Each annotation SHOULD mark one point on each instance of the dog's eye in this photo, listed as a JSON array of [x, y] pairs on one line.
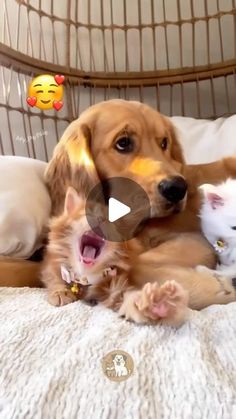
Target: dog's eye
[[164, 143], [124, 145], [233, 228]]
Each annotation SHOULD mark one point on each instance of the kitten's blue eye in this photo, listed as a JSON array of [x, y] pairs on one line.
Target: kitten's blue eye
[[233, 228]]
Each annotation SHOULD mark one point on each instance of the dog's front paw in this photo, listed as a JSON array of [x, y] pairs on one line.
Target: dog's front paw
[[61, 297], [167, 302]]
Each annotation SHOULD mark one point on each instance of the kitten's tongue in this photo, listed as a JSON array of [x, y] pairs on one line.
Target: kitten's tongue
[[90, 247], [89, 252]]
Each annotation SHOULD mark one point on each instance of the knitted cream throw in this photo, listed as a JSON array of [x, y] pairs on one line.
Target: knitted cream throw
[[50, 363]]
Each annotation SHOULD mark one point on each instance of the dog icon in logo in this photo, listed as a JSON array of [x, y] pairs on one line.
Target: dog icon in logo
[[117, 365]]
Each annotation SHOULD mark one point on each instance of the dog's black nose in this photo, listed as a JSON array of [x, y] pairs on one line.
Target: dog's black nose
[[173, 188]]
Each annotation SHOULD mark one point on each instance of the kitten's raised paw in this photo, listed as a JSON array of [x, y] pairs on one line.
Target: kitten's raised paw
[[167, 302], [110, 272], [60, 298]]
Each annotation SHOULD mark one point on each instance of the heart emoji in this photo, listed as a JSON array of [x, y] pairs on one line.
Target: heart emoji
[[31, 101], [57, 104], [59, 78]]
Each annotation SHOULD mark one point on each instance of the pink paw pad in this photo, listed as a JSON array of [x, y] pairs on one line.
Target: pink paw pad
[[160, 309]]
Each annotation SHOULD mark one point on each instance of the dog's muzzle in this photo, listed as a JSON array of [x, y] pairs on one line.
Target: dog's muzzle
[[173, 189]]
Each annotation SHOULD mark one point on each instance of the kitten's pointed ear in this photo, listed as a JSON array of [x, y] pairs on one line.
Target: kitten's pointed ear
[[72, 201], [212, 195]]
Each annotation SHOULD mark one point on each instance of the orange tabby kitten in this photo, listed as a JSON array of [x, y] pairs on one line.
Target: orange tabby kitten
[[79, 264]]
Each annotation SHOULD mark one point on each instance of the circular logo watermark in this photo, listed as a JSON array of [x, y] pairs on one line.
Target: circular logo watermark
[[117, 365]]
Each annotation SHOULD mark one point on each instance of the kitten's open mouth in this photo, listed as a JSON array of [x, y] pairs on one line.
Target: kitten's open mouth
[[90, 247]]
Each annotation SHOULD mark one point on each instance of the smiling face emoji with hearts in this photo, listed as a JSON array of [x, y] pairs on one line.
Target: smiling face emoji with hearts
[[46, 92]]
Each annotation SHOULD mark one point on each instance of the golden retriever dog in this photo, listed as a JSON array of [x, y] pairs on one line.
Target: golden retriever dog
[[129, 139]]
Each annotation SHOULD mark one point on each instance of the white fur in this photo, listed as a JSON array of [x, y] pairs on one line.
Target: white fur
[[218, 216]]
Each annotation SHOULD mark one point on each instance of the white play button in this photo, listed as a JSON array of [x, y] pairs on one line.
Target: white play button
[[116, 209]]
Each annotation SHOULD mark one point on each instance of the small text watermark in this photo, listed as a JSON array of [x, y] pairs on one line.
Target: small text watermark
[[30, 138]]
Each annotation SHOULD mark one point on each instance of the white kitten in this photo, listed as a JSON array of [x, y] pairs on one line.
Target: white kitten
[[218, 223]]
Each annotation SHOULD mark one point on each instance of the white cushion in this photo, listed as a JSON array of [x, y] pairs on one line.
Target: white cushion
[[205, 141], [24, 206]]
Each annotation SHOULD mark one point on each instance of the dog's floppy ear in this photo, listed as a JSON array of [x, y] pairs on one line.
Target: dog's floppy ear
[[176, 149], [71, 165]]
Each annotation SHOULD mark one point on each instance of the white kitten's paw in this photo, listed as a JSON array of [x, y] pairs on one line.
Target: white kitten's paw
[[220, 267], [204, 269]]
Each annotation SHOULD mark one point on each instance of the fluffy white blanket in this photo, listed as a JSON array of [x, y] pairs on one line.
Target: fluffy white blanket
[[51, 363]]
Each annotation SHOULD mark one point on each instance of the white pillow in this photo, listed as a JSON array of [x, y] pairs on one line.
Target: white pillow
[[25, 206], [204, 141]]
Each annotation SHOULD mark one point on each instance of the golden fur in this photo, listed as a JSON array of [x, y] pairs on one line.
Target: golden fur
[[19, 273], [171, 239]]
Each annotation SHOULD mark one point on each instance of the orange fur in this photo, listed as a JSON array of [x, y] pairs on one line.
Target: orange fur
[[64, 238]]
